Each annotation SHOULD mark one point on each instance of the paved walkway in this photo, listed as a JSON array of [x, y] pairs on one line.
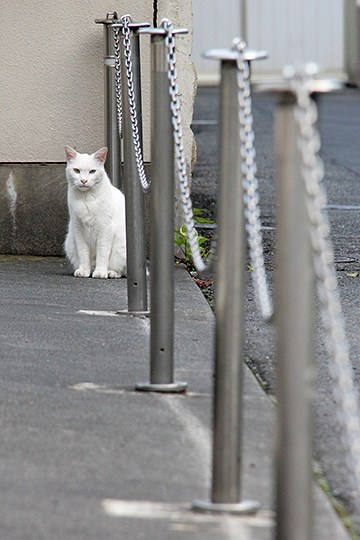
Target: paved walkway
[[83, 455]]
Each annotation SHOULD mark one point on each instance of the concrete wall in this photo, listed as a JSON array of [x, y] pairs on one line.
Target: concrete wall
[[52, 76], [180, 12], [52, 94], [33, 209]]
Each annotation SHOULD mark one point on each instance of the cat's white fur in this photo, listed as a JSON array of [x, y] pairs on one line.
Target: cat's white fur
[[96, 240]]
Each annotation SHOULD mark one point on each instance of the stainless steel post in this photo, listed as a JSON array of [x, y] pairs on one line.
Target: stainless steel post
[[134, 197], [295, 333], [352, 40], [162, 226], [294, 318], [231, 271], [113, 142], [243, 19]]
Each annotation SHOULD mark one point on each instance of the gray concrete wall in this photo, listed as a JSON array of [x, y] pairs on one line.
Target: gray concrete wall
[[33, 210]]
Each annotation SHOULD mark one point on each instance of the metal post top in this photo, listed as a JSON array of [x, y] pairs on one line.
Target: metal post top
[[131, 25], [162, 31], [309, 74], [110, 18], [232, 55], [113, 20], [315, 86]]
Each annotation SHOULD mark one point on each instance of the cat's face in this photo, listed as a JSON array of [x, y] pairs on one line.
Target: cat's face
[[84, 171]]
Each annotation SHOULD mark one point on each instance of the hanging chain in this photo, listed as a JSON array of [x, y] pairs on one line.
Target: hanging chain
[[118, 83], [145, 184], [192, 236], [333, 319], [126, 31], [250, 185]]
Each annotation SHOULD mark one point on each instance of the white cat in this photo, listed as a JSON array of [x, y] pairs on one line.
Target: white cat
[[96, 240]]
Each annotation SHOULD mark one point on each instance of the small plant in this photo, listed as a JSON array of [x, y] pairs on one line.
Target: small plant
[[181, 240], [200, 219]]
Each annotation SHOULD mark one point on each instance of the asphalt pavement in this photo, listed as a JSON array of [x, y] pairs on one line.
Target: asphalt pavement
[[86, 456]]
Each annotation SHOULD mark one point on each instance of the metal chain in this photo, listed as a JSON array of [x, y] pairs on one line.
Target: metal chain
[[200, 264], [145, 184], [333, 319], [118, 83], [250, 185]]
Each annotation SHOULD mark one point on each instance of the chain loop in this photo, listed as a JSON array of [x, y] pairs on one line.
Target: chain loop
[[250, 185], [185, 194], [126, 19], [118, 81], [333, 319], [145, 184]]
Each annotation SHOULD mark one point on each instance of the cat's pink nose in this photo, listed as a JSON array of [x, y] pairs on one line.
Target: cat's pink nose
[[83, 182]]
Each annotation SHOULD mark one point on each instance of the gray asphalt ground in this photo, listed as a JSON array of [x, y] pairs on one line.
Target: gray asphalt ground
[[85, 456]]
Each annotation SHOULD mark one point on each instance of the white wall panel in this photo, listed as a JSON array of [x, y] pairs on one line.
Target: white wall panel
[[290, 30], [216, 23]]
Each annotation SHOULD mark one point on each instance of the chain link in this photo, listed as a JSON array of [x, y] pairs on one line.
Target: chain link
[[250, 185], [145, 184], [333, 319], [126, 32], [118, 81], [313, 172], [192, 236]]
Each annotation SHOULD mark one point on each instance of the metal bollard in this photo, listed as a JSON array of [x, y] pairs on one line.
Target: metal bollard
[[295, 332], [231, 274], [294, 319], [162, 225], [352, 40], [113, 142], [134, 197]]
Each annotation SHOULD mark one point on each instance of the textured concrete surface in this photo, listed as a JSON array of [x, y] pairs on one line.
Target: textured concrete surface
[[49, 348], [33, 209], [84, 456]]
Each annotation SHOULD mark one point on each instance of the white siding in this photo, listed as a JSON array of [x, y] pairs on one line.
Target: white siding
[[214, 27], [290, 30]]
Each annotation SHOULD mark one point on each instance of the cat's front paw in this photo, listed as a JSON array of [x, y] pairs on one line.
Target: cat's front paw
[[100, 274], [81, 272], [112, 274]]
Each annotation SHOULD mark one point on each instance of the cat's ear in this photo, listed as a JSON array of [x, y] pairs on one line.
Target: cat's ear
[[101, 154], [70, 153]]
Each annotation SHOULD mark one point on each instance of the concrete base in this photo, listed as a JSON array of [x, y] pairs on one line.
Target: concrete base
[[33, 209]]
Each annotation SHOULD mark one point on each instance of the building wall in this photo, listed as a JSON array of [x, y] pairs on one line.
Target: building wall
[[180, 12], [291, 32], [52, 76], [52, 94]]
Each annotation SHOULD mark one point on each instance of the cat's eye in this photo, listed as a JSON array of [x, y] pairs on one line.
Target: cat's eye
[[93, 171], [77, 171]]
